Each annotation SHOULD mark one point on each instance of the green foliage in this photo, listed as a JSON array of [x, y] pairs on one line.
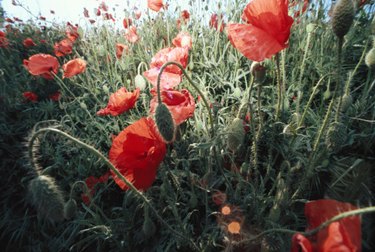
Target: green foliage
[[292, 166]]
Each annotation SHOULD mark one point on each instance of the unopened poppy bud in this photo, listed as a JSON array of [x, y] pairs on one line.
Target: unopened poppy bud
[[46, 197], [236, 134], [342, 17], [140, 82], [83, 105], [336, 136], [310, 27], [70, 209], [258, 71], [164, 122], [346, 102], [106, 89], [148, 227], [370, 59]]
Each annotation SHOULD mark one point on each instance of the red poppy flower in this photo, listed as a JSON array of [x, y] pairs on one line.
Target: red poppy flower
[[86, 13], [219, 198], [108, 16], [131, 34], [217, 22], [296, 4], [127, 22], [120, 102], [137, 153], [137, 14], [91, 182], [183, 39], [42, 64], [64, 47], [92, 21], [55, 96], [30, 96], [9, 20], [171, 76], [72, 32], [52, 11], [181, 104], [342, 235], [73, 67], [3, 40], [155, 5], [103, 6], [17, 19], [266, 32], [185, 15], [120, 49], [42, 18]]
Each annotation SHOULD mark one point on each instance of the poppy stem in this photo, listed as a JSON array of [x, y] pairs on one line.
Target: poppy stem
[[194, 86], [114, 170], [339, 87], [279, 87]]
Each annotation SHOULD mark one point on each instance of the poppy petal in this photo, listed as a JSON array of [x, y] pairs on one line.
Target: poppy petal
[[167, 80]]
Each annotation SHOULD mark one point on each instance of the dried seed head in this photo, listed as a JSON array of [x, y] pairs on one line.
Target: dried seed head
[[342, 17], [258, 71], [70, 209], [336, 136], [370, 59], [47, 198], [236, 134], [165, 122]]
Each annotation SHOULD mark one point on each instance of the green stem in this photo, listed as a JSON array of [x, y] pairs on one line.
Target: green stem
[[193, 84], [279, 87], [339, 86], [114, 170]]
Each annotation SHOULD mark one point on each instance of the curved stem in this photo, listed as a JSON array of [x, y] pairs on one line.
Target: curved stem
[[114, 170], [193, 84], [279, 87]]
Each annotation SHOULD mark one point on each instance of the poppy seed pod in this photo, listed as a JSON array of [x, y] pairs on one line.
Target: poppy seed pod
[[258, 71], [370, 59], [236, 134], [70, 209], [46, 197], [164, 122], [336, 136], [342, 17]]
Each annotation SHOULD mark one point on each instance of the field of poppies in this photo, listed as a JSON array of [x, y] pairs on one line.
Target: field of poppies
[[240, 127]]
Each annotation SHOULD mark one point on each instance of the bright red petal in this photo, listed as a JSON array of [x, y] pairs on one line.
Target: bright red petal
[[120, 102], [167, 81], [301, 243]]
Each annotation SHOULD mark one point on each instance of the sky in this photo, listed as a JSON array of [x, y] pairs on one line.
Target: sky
[[72, 10]]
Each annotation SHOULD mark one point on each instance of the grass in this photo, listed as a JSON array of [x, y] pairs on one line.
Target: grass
[[267, 188]]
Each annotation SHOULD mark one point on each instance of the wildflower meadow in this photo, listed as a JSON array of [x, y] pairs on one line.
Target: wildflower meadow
[[242, 125]]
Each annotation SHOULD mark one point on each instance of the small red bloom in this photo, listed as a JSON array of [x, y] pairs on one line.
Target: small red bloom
[[42, 18], [131, 34], [217, 22], [64, 47], [185, 15], [266, 32], [127, 22], [103, 6], [9, 20], [183, 39], [137, 153], [120, 102], [171, 76], [92, 21], [181, 104], [55, 96], [219, 198], [17, 19], [73, 67], [155, 5], [72, 32], [42, 64], [137, 14], [342, 235], [30, 96], [120, 49], [91, 182], [3, 40]]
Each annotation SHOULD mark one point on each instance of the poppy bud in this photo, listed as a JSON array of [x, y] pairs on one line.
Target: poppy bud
[[336, 136], [370, 59], [346, 102], [140, 82], [83, 105], [342, 17], [46, 197], [236, 134], [148, 227], [310, 27], [70, 209], [164, 122], [106, 89], [258, 71]]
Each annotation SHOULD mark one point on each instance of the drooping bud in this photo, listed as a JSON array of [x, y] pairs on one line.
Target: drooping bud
[[258, 71], [236, 134], [140, 82], [347, 101], [336, 136], [46, 197], [165, 122], [370, 59], [342, 17], [70, 209]]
